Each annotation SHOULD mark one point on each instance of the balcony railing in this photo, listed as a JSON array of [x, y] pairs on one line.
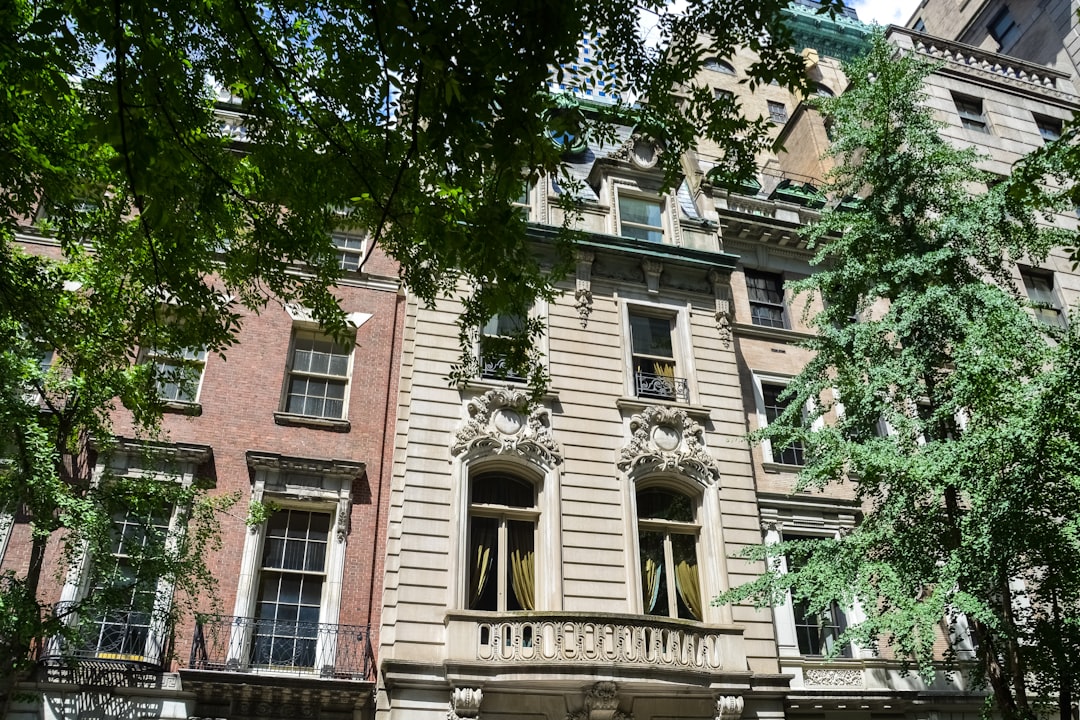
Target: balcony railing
[[257, 646], [572, 638], [664, 387]]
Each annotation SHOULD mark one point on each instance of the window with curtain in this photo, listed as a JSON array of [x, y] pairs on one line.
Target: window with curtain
[[501, 565], [667, 543]]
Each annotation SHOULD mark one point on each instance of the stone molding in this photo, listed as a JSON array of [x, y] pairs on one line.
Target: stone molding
[[666, 438], [833, 677], [501, 422]]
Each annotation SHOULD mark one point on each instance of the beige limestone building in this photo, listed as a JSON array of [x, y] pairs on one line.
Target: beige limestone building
[[559, 562]]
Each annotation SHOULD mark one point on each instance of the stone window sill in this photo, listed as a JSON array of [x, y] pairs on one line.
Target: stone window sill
[[317, 423]]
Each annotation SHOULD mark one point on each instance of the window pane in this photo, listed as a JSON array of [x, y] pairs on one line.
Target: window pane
[[653, 581], [651, 335], [636, 210], [663, 504], [498, 489], [481, 564]]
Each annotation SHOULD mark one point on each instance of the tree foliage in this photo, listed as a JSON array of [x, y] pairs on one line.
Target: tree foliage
[[171, 162], [971, 501]]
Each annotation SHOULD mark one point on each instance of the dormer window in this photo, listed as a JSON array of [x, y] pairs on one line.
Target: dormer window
[[641, 218]]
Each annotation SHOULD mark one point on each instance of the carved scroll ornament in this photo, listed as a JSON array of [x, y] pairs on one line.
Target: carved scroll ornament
[[601, 703], [500, 422], [668, 439]]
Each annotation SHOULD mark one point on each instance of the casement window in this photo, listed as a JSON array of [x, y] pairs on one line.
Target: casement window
[[766, 293], [350, 250], [971, 114], [318, 378], [291, 579], [667, 548], [1049, 128], [178, 376], [1003, 28], [767, 394], [1039, 285], [500, 570], [777, 112], [816, 633], [653, 361], [494, 336], [129, 629], [641, 218]]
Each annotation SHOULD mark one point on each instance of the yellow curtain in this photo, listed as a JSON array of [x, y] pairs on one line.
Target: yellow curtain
[[483, 538], [650, 586], [686, 582], [523, 564], [664, 369]]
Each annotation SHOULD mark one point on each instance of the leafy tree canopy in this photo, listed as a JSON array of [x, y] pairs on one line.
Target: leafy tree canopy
[[971, 500], [174, 161]]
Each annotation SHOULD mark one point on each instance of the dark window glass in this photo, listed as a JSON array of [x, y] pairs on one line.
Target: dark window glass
[[766, 293], [774, 408]]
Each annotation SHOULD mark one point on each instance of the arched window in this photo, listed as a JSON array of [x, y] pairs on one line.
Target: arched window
[[719, 66], [500, 568], [667, 545]]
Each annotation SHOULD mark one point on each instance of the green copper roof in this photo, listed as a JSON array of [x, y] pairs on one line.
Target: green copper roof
[[840, 37]]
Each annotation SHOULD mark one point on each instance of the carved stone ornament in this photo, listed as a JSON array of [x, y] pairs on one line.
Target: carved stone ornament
[[652, 270], [583, 304], [601, 703], [465, 703], [721, 284], [642, 151], [833, 677], [500, 422], [668, 439], [729, 707]]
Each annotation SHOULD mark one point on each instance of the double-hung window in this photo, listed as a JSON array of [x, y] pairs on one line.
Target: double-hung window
[[641, 218], [1040, 291], [970, 110], [494, 337], [817, 633], [500, 571], [318, 379], [1049, 128], [667, 548], [653, 358], [350, 250], [179, 375], [291, 579], [766, 293], [772, 407]]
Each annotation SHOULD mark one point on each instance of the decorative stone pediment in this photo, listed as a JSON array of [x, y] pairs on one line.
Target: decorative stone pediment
[[601, 703], [501, 422], [666, 438]]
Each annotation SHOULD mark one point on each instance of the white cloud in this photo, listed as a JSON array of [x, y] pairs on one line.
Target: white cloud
[[885, 12]]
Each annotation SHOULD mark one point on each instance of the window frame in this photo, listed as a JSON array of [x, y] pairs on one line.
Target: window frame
[[291, 372], [769, 457], [1051, 303], [753, 302], [297, 484], [680, 357], [972, 113], [1049, 127], [345, 252], [828, 631], [1007, 36], [659, 201], [503, 515], [667, 528], [176, 363], [778, 112]]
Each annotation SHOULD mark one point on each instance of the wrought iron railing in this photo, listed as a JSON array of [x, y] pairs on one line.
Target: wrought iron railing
[[253, 645], [664, 387], [118, 636]]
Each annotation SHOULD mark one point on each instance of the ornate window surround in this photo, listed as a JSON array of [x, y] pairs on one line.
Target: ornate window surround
[[499, 432], [273, 479], [681, 341], [665, 448]]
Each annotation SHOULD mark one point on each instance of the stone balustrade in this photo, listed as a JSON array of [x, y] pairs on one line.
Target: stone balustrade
[[986, 61], [571, 638]]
